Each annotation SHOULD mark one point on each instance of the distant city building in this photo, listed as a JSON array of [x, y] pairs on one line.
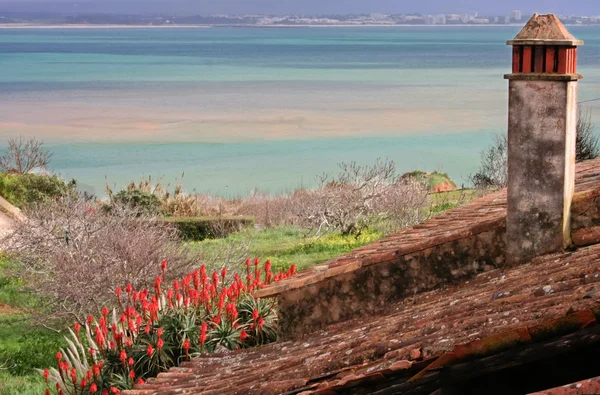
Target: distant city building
[[440, 19], [430, 20], [516, 15]]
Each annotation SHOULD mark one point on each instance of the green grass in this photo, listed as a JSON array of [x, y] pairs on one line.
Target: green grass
[[23, 346], [285, 246], [32, 384]]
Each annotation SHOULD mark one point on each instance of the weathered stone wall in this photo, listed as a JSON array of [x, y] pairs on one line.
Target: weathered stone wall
[[541, 152], [372, 288]]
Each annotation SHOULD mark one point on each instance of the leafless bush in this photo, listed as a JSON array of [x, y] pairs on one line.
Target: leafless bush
[[493, 169], [587, 144], [75, 254], [357, 196], [22, 156]]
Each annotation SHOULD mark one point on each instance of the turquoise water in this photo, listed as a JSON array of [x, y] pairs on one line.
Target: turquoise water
[[238, 109]]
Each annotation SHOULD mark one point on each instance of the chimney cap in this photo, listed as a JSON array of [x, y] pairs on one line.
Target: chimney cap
[[545, 30]]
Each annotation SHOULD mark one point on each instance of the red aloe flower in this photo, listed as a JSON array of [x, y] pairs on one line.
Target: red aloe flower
[[93, 388], [132, 375], [186, 347], [159, 332], [140, 381], [47, 392], [83, 383], [104, 311], [77, 328], [74, 376], [203, 330], [58, 356], [261, 322], [123, 357], [46, 374], [243, 335], [131, 362], [128, 289], [160, 344], [254, 314], [118, 292], [150, 350]]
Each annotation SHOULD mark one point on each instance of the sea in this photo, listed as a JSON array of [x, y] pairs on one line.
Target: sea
[[230, 111]]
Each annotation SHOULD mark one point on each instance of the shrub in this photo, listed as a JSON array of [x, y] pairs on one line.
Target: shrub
[[26, 189], [23, 156], [141, 201], [148, 332], [200, 228], [587, 144], [69, 249], [357, 196], [493, 169]]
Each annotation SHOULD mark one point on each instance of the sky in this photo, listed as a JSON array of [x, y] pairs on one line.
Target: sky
[[208, 7]]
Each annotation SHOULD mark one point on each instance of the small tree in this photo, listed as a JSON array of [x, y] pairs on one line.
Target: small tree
[[587, 145], [493, 169], [22, 156]]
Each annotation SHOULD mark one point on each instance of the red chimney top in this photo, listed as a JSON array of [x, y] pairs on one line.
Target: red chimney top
[[544, 49]]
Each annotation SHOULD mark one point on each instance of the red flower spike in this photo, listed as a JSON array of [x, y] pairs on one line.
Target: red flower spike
[[261, 322], [268, 266], [46, 374], [254, 314], [115, 390], [59, 356], [132, 375], [186, 347], [47, 392], [150, 350], [160, 343], [128, 289], [140, 381], [163, 265], [83, 383], [93, 388], [104, 312], [77, 328], [123, 356], [203, 329], [243, 335], [131, 362], [118, 292]]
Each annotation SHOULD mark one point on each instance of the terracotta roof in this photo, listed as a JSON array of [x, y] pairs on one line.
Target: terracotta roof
[[476, 217], [419, 328], [585, 387], [544, 27], [496, 310]]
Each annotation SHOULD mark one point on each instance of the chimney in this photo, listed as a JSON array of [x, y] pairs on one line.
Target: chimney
[[541, 139]]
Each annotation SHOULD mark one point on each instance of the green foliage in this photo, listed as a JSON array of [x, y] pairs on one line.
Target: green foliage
[[25, 189], [144, 202], [23, 353], [150, 332], [32, 384], [201, 228], [287, 245]]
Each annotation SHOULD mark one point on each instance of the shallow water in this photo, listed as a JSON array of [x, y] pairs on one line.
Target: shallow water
[[239, 108]]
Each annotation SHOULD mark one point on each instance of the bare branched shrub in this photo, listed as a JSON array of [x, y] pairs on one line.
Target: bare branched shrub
[[587, 144], [22, 156], [357, 196], [75, 254], [493, 169]]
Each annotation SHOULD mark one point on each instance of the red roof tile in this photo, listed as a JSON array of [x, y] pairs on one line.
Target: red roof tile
[[492, 312]]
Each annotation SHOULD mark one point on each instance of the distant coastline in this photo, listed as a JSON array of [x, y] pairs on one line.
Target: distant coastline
[[108, 26]]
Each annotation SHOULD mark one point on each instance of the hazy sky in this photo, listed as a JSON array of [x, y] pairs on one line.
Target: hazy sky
[[588, 7]]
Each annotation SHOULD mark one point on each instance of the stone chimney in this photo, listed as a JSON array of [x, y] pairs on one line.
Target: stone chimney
[[541, 139]]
